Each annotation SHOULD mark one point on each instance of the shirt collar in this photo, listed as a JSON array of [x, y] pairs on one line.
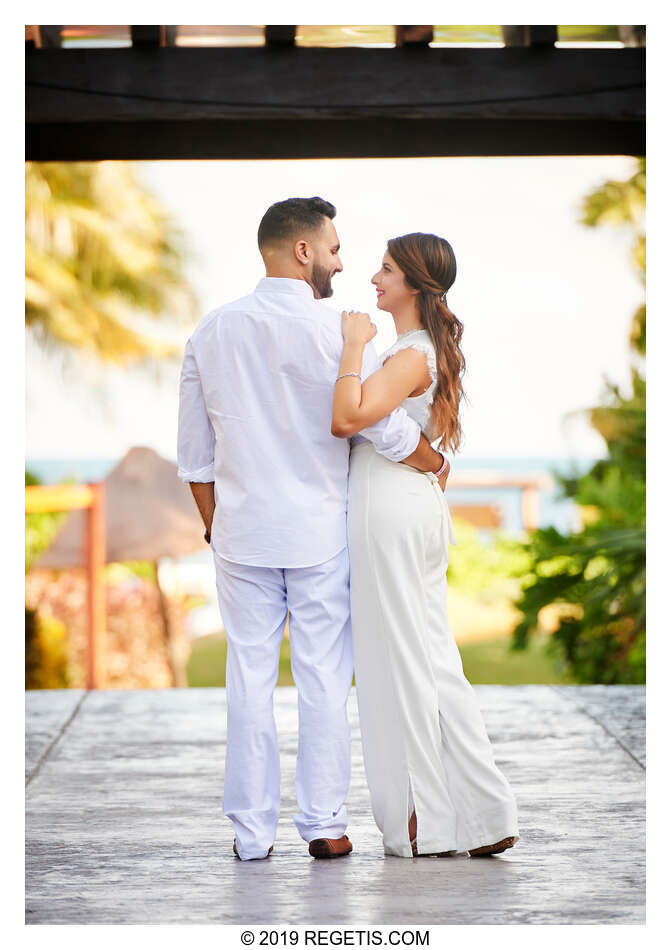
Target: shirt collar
[[284, 285]]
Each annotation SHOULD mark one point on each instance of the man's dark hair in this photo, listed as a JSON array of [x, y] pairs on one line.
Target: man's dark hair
[[287, 219]]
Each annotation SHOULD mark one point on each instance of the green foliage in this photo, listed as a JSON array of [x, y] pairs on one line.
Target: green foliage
[[598, 575], [40, 528], [46, 652], [622, 203], [484, 569], [101, 256], [120, 571]]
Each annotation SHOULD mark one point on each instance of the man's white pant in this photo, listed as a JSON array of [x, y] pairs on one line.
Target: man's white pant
[[254, 603]]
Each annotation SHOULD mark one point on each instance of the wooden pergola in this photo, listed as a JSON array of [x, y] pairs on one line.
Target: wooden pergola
[[157, 100]]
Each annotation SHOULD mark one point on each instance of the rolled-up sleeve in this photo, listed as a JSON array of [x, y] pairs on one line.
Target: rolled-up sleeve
[[397, 435], [195, 434]]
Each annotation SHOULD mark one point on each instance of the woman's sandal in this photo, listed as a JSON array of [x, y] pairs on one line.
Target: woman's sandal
[[485, 850], [413, 844], [497, 848]]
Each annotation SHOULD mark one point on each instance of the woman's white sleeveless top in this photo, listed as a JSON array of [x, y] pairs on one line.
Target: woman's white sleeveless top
[[419, 407]]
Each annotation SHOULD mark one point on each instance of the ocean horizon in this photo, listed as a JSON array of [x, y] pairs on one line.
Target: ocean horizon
[[553, 510]]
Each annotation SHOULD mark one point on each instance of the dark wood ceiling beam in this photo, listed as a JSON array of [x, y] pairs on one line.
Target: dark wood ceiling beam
[[336, 138], [197, 102]]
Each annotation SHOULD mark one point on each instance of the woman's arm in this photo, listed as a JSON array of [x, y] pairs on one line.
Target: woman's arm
[[356, 406]]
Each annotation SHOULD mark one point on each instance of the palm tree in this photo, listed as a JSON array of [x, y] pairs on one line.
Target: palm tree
[[103, 262]]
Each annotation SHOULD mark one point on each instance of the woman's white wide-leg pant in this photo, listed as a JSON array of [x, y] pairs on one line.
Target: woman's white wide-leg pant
[[424, 738], [254, 602]]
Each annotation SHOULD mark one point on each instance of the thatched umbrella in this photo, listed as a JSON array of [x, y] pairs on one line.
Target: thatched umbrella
[[149, 513]]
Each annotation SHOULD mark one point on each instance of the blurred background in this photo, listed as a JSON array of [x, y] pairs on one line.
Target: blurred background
[[547, 582]]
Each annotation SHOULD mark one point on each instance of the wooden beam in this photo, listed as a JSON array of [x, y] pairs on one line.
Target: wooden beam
[[195, 103], [149, 37], [529, 35], [41, 498], [280, 35], [414, 35], [335, 138], [50, 36]]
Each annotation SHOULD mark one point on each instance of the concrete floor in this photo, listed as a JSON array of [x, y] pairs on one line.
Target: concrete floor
[[124, 821]]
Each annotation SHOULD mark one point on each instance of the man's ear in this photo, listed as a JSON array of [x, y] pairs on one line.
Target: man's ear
[[302, 251]]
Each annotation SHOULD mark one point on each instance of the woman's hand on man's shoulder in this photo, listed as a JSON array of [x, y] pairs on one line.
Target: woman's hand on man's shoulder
[[357, 327]]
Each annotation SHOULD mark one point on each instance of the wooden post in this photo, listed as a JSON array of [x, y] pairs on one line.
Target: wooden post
[[96, 556], [530, 507], [177, 671], [92, 499]]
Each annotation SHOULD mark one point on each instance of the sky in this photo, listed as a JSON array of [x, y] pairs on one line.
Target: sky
[[546, 302]]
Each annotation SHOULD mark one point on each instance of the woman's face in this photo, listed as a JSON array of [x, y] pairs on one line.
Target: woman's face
[[392, 291]]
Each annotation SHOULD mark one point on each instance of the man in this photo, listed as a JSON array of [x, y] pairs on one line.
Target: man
[[270, 481]]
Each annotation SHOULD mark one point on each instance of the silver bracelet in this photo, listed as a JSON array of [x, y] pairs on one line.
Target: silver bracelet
[[348, 374]]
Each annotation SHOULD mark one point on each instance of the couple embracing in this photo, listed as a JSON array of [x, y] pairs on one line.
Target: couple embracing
[[311, 463]]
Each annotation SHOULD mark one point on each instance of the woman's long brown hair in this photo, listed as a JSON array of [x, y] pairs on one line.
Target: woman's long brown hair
[[429, 265]]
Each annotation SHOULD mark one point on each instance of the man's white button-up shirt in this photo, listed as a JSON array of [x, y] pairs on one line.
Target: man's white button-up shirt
[[256, 392]]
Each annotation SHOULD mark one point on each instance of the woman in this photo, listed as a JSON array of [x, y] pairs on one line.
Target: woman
[[434, 785]]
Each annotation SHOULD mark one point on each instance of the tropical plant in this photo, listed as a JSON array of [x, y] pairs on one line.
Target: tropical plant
[[596, 576], [46, 656], [103, 261], [40, 527]]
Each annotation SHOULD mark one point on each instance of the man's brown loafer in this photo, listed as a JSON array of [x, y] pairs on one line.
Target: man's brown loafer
[[494, 848], [235, 852], [330, 847]]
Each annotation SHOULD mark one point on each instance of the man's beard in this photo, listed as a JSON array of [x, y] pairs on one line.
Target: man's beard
[[321, 281]]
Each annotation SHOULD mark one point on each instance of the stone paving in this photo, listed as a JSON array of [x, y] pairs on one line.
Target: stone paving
[[124, 821]]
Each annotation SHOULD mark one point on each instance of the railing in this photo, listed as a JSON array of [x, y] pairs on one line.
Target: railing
[[530, 486], [43, 498]]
